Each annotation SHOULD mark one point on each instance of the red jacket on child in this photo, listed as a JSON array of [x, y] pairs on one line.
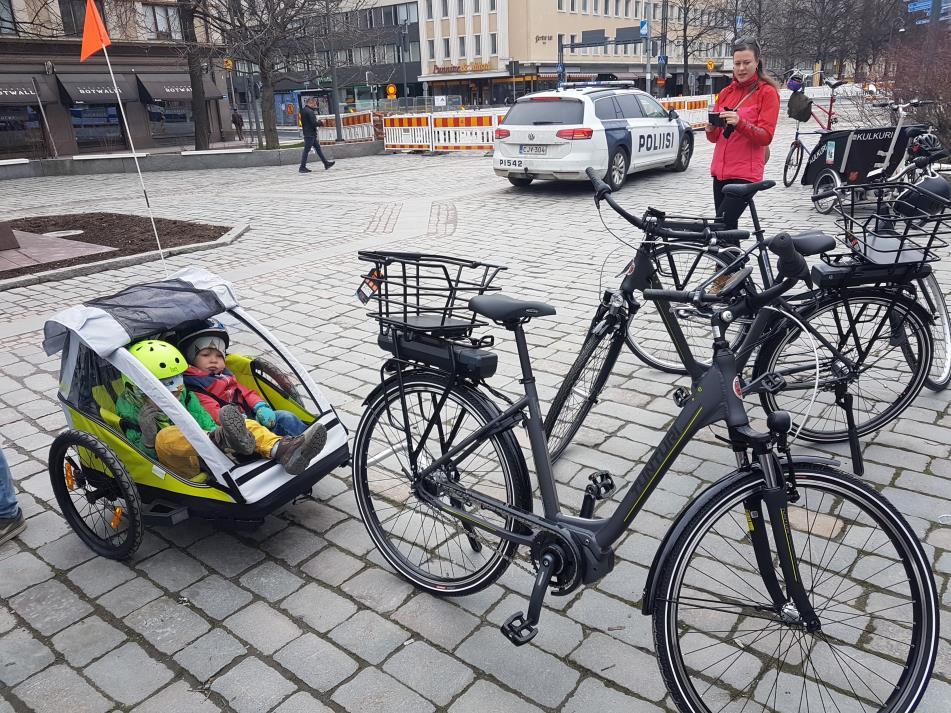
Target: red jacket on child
[[743, 154], [215, 391]]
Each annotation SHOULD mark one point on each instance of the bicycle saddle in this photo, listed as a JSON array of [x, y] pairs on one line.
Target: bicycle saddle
[[746, 190], [836, 84], [813, 242], [505, 309]]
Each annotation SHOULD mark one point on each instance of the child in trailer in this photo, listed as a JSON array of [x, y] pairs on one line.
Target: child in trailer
[[152, 431]]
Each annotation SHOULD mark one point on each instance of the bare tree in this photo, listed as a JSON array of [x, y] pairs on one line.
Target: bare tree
[[699, 23]]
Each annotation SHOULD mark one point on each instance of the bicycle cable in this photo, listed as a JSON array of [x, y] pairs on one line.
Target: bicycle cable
[[815, 354]]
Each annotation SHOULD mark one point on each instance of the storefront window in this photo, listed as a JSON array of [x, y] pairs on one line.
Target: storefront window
[[97, 127], [21, 132], [7, 23], [171, 119]]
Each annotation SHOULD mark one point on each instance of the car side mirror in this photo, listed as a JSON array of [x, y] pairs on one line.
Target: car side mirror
[[672, 114]]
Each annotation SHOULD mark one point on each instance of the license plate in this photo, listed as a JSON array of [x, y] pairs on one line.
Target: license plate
[[537, 150], [510, 163]]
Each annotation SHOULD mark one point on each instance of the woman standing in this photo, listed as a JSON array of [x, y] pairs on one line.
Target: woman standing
[[748, 109]]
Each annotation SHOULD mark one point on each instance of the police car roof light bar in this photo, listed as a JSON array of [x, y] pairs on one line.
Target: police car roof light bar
[[618, 84]]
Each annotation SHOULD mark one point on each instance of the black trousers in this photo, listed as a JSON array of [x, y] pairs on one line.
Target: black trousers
[[730, 209], [311, 142]]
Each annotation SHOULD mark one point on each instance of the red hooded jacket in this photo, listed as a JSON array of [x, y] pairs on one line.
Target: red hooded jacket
[[743, 155], [213, 392]]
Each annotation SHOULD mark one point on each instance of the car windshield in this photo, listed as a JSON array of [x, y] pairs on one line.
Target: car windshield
[[536, 113]]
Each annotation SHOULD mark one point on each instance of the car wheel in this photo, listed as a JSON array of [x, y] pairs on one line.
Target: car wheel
[[684, 154], [617, 169], [521, 181]]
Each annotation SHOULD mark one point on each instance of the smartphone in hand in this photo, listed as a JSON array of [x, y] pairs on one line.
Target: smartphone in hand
[[713, 118]]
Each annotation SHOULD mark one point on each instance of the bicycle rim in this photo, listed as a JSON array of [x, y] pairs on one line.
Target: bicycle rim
[[932, 298], [793, 164], [725, 646], [677, 268], [889, 375], [432, 549]]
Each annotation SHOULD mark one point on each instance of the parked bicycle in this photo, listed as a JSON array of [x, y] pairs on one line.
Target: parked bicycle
[[783, 583], [802, 108]]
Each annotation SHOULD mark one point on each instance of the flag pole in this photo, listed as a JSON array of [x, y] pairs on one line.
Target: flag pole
[[135, 158]]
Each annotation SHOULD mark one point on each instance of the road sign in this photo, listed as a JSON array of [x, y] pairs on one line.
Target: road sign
[[919, 6], [739, 23], [645, 28], [661, 81], [710, 65], [229, 64], [559, 68], [391, 90], [662, 59]]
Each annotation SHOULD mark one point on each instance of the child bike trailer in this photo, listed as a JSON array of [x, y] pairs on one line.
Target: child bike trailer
[[108, 488]]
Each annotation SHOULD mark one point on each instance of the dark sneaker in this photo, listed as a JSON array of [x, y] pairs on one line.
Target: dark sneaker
[[296, 453], [234, 431], [10, 527], [303, 169], [329, 164]]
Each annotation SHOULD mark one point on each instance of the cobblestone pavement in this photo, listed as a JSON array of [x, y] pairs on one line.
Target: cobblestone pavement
[[301, 615]]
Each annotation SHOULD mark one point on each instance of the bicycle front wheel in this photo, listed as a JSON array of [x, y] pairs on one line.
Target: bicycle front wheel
[[579, 391], [437, 552], [931, 297], [793, 163], [886, 337], [722, 644]]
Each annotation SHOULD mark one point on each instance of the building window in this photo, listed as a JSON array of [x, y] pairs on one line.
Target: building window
[[429, 9], [431, 48], [7, 23], [476, 7], [445, 8], [406, 13], [462, 46], [161, 22], [73, 13], [414, 51], [596, 9], [617, 8], [445, 47], [561, 40], [607, 8], [637, 8], [627, 8], [461, 9], [573, 6], [572, 41], [491, 5], [584, 5], [561, 5], [493, 43], [477, 46]]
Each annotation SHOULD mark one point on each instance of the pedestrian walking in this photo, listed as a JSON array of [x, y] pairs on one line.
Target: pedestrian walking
[[12, 522], [237, 121], [744, 120], [309, 123]]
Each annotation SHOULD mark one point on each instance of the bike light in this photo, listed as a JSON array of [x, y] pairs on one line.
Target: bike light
[[575, 134], [502, 133]]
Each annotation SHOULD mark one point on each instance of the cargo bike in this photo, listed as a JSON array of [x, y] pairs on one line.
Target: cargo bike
[[107, 488]]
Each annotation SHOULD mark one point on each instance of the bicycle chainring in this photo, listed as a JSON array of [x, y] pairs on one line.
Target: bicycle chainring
[[568, 576]]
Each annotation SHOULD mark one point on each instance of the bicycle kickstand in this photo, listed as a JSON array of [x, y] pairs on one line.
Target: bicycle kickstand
[[843, 400]]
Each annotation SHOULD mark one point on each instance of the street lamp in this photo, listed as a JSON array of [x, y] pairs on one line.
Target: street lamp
[[404, 47]]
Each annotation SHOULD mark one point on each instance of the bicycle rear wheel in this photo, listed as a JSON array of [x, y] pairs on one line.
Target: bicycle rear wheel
[[932, 298], [793, 163], [722, 644], [677, 267], [579, 391], [883, 333], [435, 551]]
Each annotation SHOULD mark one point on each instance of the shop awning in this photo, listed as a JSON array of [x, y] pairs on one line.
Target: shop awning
[[18, 89], [176, 87], [97, 88]]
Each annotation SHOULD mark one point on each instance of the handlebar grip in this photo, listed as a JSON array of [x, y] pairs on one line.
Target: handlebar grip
[[601, 189], [732, 236], [668, 295], [923, 161], [881, 105]]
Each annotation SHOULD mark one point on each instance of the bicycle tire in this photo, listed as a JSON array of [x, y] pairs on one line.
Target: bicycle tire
[[677, 268], [692, 666], [429, 561], [108, 483], [794, 162], [591, 367], [932, 298], [905, 377]]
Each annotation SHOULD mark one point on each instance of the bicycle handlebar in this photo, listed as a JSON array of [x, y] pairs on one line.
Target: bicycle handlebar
[[602, 191], [901, 105], [923, 161]]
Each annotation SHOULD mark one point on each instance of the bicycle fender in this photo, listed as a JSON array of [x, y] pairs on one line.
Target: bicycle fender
[[680, 524]]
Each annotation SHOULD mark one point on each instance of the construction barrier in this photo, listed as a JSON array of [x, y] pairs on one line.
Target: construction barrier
[[457, 131], [354, 127], [412, 132], [693, 109]]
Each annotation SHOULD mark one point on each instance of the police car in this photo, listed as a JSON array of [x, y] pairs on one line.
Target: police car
[[610, 126]]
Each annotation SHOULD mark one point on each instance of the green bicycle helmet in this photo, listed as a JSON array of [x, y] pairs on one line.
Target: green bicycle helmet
[[160, 358]]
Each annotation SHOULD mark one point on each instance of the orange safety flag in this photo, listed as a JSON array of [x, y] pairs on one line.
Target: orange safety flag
[[95, 37]]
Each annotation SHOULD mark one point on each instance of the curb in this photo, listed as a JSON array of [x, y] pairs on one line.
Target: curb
[[64, 273]]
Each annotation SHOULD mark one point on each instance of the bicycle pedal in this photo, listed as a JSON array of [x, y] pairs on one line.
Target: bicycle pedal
[[772, 382], [681, 396], [518, 630], [600, 486]]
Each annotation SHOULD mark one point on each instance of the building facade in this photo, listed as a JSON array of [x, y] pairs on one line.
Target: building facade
[[491, 51], [53, 105]]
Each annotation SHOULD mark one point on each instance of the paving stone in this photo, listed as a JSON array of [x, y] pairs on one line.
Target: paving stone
[[47, 691], [130, 596], [369, 635], [592, 695], [7, 620], [99, 575], [485, 697], [173, 569], [627, 666], [557, 634], [264, 628], [166, 625], [252, 686], [372, 691], [302, 703], [20, 571], [294, 544], [619, 619], [87, 640], [352, 536], [217, 597], [206, 656], [379, 590], [21, 656], [66, 552], [316, 662], [536, 674], [316, 516], [177, 697], [318, 607], [439, 620], [224, 553], [43, 528], [271, 581], [128, 674], [430, 672], [49, 607]]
